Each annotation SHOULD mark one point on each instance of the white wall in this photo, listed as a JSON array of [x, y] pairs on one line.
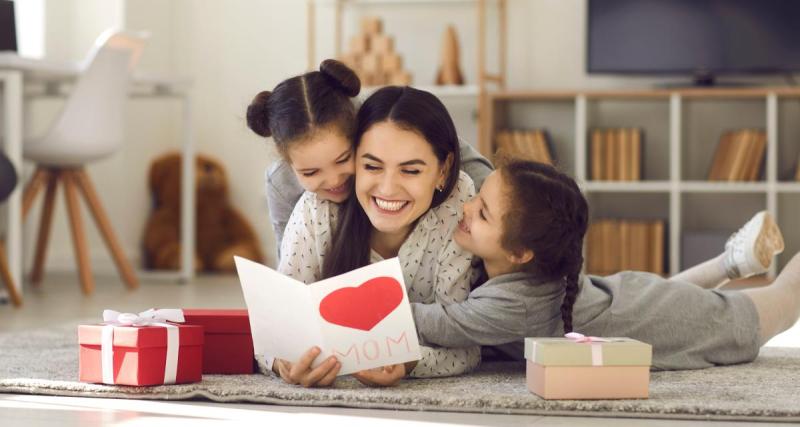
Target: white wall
[[232, 49]]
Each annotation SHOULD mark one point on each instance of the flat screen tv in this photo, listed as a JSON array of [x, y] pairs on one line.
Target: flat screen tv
[[702, 38]]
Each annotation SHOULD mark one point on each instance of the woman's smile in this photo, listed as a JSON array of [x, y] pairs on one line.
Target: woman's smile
[[388, 206]]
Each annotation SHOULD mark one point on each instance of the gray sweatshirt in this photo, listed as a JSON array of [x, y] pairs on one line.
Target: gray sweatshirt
[[283, 190], [689, 327]]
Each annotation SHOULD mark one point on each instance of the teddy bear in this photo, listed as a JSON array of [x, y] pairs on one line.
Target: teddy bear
[[221, 231]]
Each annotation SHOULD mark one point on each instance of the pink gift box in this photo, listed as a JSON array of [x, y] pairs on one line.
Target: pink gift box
[[561, 368]]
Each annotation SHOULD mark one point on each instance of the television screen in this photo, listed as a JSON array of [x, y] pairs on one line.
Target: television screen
[[8, 32], [693, 36]]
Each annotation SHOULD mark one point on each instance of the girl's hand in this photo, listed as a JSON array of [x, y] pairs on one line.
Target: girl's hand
[[385, 376], [301, 372]]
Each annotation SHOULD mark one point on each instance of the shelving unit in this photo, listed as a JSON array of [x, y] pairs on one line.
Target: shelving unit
[[682, 129], [475, 93]]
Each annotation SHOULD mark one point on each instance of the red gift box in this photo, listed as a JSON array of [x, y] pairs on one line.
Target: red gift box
[[140, 354], [228, 345]]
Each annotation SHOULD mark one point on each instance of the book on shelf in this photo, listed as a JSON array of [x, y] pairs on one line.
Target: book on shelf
[[617, 245], [616, 154], [739, 156], [532, 145]]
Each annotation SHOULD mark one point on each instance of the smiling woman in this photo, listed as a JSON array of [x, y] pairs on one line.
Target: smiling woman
[[396, 182], [409, 195]]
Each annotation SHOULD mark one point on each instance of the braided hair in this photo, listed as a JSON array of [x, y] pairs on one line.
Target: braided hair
[[549, 216]]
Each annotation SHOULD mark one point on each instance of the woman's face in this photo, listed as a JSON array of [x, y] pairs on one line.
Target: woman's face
[[324, 165], [397, 173], [481, 229]]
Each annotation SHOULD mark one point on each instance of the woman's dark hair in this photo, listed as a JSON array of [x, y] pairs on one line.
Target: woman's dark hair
[[549, 216], [410, 109], [301, 105]]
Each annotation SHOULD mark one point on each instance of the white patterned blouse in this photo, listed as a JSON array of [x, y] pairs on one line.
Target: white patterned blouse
[[435, 268]]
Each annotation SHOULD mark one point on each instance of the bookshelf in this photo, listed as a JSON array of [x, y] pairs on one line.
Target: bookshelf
[[481, 77], [682, 129], [480, 24]]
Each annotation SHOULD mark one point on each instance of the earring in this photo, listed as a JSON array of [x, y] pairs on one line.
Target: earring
[[440, 188]]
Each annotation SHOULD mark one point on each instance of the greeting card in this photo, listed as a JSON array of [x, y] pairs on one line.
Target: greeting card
[[362, 317]]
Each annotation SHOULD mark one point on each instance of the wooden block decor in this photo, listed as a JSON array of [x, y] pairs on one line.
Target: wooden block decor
[[400, 78], [739, 156], [615, 154], [449, 69], [372, 56], [392, 63], [371, 63], [381, 43], [371, 25], [614, 245], [532, 145], [359, 44]]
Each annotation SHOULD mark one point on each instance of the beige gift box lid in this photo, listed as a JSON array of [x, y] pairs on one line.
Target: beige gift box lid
[[567, 352]]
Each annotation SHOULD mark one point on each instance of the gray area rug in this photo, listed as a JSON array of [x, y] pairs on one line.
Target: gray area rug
[[46, 362]]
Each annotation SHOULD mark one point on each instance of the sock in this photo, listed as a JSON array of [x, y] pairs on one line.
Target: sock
[[708, 275], [778, 304]]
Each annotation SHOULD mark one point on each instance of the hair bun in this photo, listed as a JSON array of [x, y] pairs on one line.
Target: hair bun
[[344, 78], [258, 114]]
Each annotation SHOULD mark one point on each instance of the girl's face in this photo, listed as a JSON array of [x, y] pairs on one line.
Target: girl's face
[[324, 165], [481, 229], [397, 173]]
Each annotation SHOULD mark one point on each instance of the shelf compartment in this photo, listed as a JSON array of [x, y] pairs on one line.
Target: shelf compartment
[[557, 117], [623, 234], [708, 219], [704, 122], [649, 115], [789, 221], [788, 139]]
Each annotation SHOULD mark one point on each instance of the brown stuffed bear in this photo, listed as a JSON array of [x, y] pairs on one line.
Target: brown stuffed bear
[[222, 231]]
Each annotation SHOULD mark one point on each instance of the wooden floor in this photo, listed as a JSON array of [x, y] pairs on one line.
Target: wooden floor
[[59, 300]]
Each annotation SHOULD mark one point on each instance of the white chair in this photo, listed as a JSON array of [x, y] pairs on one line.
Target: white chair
[[90, 127]]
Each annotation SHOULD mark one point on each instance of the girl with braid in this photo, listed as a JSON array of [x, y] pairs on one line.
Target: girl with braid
[[528, 224]]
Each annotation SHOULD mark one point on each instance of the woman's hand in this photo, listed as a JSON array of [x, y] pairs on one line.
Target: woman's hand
[[301, 372], [385, 376]]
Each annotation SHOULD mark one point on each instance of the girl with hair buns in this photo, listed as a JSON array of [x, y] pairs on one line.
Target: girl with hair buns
[[528, 224], [311, 119]]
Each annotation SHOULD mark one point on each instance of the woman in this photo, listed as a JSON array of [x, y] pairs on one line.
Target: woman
[[409, 193]]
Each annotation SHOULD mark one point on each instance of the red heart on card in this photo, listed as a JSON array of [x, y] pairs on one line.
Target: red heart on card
[[364, 306]]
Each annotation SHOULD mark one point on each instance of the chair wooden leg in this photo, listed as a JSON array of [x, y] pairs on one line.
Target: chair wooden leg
[[103, 223], [5, 276], [32, 189], [78, 236], [44, 227]]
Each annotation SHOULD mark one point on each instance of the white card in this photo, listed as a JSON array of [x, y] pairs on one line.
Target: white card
[[362, 317]]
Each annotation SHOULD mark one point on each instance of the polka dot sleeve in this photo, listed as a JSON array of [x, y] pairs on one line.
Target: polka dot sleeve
[[305, 240], [451, 281]]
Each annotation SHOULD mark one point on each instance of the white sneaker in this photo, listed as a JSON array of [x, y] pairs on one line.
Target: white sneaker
[[750, 250]]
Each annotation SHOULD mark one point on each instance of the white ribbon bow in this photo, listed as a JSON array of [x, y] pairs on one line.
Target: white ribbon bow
[[597, 348], [151, 317], [145, 318]]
